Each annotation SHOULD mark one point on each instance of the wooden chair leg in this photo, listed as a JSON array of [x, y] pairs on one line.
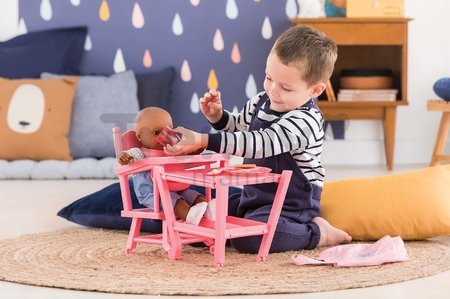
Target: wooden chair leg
[[173, 236], [441, 138], [274, 216], [134, 232], [220, 225], [389, 135]]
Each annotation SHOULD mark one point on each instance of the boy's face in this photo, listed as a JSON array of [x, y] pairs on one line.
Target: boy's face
[[286, 90]]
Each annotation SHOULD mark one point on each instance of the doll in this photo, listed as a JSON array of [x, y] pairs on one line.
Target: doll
[[189, 205]]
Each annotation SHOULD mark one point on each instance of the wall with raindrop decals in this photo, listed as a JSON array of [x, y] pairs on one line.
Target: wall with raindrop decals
[[213, 44]]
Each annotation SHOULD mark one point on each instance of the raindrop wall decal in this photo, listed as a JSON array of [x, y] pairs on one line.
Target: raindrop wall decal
[[231, 10], [88, 43], [103, 13], [218, 43], [266, 29], [147, 60], [291, 8], [213, 83], [195, 107], [235, 110], [22, 28], [195, 2], [250, 87], [137, 16], [75, 2], [119, 62], [235, 54], [177, 25], [185, 71], [46, 10]]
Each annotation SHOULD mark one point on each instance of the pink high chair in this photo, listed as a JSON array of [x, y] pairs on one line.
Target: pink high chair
[[171, 240], [166, 171]]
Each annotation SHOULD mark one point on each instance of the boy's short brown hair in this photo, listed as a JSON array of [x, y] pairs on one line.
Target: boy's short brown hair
[[308, 49]]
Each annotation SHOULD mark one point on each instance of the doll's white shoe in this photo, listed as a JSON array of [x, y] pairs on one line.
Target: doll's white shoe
[[196, 213], [211, 210]]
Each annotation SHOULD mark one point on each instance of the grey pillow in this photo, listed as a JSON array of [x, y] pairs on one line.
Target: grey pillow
[[101, 103]]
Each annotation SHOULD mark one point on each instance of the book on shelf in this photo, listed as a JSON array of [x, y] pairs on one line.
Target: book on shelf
[[330, 92], [348, 95]]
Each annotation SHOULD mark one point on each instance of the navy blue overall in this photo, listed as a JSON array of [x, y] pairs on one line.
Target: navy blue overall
[[295, 230]]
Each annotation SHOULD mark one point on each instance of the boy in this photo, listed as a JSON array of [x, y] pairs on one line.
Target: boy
[[280, 128]]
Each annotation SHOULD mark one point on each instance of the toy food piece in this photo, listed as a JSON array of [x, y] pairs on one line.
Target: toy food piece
[[168, 136], [240, 168], [245, 166]]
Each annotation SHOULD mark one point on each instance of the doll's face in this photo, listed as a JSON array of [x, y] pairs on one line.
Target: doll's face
[[150, 123]]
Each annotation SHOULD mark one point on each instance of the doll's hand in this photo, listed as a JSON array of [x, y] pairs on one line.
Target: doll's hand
[[211, 105], [190, 142], [125, 158]]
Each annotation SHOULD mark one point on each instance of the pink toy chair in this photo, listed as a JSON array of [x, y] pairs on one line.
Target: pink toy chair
[[171, 240]]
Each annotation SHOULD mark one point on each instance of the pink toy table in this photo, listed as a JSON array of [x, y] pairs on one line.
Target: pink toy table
[[166, 170], [128, 140], [224, 227]]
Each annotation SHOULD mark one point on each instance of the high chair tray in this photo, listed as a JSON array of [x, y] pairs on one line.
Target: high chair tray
[[202, 178]]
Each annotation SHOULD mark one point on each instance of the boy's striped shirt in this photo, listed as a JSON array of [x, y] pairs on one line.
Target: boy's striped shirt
[[299, 131]]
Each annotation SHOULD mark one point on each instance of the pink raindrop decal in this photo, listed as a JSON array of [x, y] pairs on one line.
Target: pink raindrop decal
[[195, 106], [46, 10], [235, 54], [103, 12], [266, 29], [291, 8], [185, 71], [119, 62], [177, 25], [195, 2], [218, 43], [231, 9], [147, 60], [137, 16]]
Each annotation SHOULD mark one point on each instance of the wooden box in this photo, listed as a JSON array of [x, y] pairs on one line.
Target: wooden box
[[375, 8]]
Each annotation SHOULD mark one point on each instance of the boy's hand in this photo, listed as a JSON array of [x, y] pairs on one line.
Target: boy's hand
[[190, 142], [125, 158], [211, 105]]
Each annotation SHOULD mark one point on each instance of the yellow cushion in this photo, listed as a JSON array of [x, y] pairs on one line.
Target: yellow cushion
[[35, 118], [413, 205]]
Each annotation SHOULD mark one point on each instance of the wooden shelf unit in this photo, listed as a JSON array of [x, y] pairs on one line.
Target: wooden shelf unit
[[368, 43]]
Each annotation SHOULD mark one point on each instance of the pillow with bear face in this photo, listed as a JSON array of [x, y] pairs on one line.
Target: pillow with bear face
[[35, 118]]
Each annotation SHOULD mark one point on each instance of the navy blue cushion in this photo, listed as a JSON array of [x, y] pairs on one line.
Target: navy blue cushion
[[442, 88], [155, 88], [56, 51], [101, 209]]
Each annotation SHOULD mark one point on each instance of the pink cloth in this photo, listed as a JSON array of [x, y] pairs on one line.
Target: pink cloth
[[385, 250]]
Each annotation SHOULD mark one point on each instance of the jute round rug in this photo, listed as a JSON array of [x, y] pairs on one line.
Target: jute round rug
[[94, 260]]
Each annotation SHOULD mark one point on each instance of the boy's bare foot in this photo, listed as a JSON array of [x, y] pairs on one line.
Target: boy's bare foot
[[329, 235]]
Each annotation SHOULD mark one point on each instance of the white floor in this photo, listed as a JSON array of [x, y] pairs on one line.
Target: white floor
[[31, 206]]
